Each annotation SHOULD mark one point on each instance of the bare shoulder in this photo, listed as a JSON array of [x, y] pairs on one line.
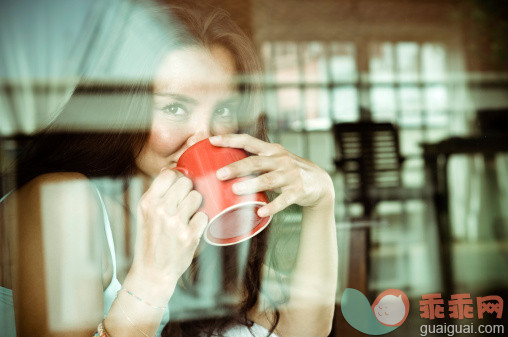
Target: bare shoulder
[[54, 178], [58, 182], [52, 191]]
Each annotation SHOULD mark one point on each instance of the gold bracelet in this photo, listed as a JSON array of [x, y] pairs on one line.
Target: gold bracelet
[[128, 318], [127, 291], [101, 331]]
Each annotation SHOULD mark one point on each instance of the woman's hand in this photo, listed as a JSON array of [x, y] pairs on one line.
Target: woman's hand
[[169, 230], [298, 180]]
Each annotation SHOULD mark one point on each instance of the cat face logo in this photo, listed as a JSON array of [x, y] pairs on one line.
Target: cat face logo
[[387, 313], [391, 307]]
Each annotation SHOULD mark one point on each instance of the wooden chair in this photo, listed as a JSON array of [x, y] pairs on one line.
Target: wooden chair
[[368, 155], [370, 160]]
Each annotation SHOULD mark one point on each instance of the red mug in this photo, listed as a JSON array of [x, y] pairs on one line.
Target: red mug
[[232, 218]]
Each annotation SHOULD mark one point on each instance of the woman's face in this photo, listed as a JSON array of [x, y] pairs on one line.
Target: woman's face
[[195, 97]]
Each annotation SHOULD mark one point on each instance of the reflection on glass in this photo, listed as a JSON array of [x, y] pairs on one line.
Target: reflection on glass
[[410, 97], [410, 104], [381, 65], [436, 101], [436, 97], [288, 106], [314, 62], [433, 62], [316, 108], [345, 103], [271, 108], [343, 61], [407, 61], [267, 48], [383, 103], [285, 62]]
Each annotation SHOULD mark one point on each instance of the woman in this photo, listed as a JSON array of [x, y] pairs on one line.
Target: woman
[[194, 95]]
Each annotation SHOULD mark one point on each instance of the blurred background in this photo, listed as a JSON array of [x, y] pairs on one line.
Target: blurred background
[[403, 102]]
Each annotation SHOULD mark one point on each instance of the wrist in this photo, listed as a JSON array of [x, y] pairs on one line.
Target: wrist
[[324, 204], [156, 292], [326, 199]]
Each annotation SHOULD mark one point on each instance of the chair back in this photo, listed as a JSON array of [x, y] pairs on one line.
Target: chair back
[[368, 155]]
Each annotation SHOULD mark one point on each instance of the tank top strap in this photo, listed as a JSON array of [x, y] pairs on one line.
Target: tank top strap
[[112, 289], [109, 233]]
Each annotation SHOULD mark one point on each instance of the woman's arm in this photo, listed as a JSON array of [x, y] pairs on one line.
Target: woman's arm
[[314, 278], [57, 285], [313, 283], [58, 279]]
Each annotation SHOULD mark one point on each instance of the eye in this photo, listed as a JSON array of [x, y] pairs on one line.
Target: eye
[[175, 109], [224, 112]]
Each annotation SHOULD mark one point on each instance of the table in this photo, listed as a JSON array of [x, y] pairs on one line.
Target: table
[[436, 156]]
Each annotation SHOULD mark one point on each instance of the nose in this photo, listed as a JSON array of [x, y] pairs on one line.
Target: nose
[[201, 132]]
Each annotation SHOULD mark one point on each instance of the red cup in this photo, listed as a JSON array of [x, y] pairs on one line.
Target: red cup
[[232, 218]]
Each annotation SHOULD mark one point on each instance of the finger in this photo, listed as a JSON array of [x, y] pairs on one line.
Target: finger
[[162, 183], [176, 193], [247, 166], [198, 224], [246, 142], [266, 182], [189, 205], [278, 204]]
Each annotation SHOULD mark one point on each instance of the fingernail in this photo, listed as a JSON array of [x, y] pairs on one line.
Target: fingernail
[[164, 169], [214, 139], [262, 212], [238, 188], [222, 173]]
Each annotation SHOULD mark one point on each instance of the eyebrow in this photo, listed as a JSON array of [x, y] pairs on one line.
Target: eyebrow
[[181, 98], [232, 99], [187, 99]]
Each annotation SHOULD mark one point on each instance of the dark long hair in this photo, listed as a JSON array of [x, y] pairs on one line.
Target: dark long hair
[[110, 148]]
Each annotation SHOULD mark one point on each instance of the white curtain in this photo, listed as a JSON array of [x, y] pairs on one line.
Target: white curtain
[[47, 46]]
